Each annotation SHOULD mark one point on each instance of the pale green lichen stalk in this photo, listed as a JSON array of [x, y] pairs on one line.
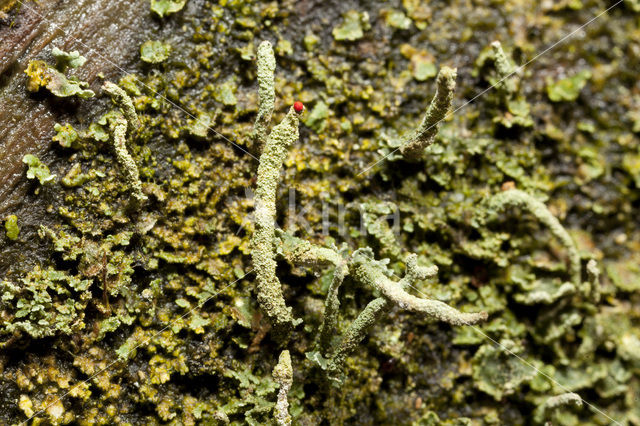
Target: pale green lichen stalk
[[302, 252], [332, 306], [266, 91], [504, 68], [263, 251], [283, 375], [123, 100], [518, 198], [563, 399], [593, 273], [118, 126], [356, 332], [544, 411], [414, 146], [366, 272]]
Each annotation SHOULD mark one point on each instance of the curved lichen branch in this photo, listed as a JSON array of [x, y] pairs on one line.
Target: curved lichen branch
[[414, 146], [356, 332], [367, 271], [266, 91], [118, 126], [302, 252], [269, 288], [593, 273], [518, 198], [364, 269], [543, 412], [328, 328], [283, 375], [370, 274], [416, 273], [563, 399], [120, 98]]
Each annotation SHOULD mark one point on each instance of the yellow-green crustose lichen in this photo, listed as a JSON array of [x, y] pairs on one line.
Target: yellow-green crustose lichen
[[53, 79], [11, 227]]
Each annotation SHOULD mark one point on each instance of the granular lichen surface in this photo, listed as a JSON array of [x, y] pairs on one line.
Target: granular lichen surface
[[163, 294]]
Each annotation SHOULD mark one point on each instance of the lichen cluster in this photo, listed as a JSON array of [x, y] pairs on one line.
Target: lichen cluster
[[54, 79], [161, 296]]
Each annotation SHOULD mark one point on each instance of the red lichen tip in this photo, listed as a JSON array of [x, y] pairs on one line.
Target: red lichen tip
[[298, 107]]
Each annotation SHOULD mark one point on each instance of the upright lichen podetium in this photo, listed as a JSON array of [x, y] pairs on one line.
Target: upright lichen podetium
[[266, 91], [262, 241], [413, 147], [283, 375], [118, 126], [504, 69], [123, 100]]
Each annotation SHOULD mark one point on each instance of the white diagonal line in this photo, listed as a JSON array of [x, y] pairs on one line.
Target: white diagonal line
[[528, 364]]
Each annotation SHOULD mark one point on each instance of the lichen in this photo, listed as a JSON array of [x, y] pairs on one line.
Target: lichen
[[368, 272], [53, 78], [66, 135], [166, 7], [263, 252], [518, 198], [121, 99], [353, 26], [66, 60], [266, 91], [567, 89], [118, 125], [544, 411], [283, 375], [41, 305], [37, 170], [12, 230], [154, 51], [414, 146], [192, 239]]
